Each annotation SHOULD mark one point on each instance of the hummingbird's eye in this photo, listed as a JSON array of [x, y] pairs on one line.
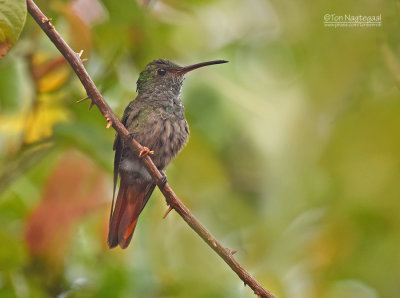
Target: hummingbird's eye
[[161, 72]]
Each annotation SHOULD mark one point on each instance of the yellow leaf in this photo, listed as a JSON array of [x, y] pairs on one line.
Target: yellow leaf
[[50, 73], [41, 120]]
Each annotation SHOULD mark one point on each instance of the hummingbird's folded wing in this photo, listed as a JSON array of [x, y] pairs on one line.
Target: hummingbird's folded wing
[[119, 147]]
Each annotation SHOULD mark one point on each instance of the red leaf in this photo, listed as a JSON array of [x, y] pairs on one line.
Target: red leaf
[[74, 189]]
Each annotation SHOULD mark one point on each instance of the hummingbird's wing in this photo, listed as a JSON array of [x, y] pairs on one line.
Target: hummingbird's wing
[[119, 147]]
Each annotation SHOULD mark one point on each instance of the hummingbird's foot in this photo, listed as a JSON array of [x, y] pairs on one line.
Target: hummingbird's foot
[[164, 178], [168, 211], [145, 151]]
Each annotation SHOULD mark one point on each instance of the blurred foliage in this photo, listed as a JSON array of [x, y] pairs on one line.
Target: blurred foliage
[[12, 20], [293, 158]]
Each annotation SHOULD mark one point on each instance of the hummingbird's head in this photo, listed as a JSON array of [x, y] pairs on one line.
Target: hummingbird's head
[[164, 75]]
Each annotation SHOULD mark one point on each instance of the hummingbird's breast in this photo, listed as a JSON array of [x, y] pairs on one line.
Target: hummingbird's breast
[[170, 134], [160, 127]]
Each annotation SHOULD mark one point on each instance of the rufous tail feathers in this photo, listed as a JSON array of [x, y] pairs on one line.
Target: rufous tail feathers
[[131, 200]]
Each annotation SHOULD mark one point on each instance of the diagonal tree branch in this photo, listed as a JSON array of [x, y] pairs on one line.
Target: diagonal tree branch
[[172, 200]]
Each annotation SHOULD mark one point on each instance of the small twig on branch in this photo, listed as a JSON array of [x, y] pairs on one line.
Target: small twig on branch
[[172, 200]]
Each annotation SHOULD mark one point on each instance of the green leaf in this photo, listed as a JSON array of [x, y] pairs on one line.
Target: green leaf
[[12, 19], [12, 85]]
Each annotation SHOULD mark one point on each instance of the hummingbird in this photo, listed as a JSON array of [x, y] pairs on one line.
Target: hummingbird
[[156, 120]]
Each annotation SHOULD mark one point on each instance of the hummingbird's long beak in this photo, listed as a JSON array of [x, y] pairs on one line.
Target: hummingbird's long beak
[[186, 69]]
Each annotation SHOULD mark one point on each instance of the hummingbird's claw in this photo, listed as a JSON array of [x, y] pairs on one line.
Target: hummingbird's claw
[[145, 151], [164, 178], [167, 212]]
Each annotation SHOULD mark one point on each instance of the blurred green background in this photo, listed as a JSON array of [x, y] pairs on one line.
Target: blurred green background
[[293, 158]]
